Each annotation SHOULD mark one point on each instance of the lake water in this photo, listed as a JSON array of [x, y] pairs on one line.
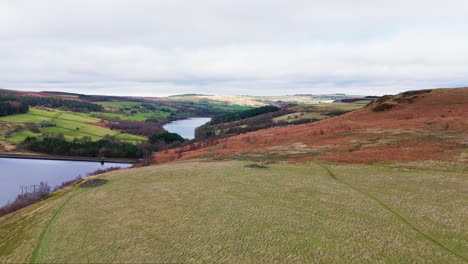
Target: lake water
[[186, 127], [25, 172]]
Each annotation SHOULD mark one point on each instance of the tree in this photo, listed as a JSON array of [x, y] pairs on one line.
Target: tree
[[167, 137]]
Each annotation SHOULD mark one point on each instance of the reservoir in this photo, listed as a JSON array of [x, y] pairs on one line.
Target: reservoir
[[186, 127], [15, 173]]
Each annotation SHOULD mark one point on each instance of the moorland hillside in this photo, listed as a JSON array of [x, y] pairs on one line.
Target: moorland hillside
[[411, 126]]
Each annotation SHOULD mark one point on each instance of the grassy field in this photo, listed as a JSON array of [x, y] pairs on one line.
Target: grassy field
[[229, 99], [70, 124], [186, 107], [319, 111], [214, 106], [134, 117], [257, 101], [122, 110], [226, 212], [118, 104]]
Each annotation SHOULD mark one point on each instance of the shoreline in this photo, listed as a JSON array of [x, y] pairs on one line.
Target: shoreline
[[65, 158], [185, 118]]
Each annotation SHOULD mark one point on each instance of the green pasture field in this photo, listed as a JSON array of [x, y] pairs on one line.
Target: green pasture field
[[319, 111], [299, 116], [210, 105], [134, 117], [18, 137], [117, 110], [117, 104], [226, 212], [70, 124]]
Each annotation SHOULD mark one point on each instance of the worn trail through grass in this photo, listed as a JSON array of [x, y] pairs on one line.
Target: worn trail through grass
[[43, 237], [399, 216], [226, 212]]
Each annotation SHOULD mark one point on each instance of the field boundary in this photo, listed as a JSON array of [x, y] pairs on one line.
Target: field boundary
[[399, 216]]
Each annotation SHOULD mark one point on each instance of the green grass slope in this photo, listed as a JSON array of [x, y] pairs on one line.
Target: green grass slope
[[226, 212], [70, 124]]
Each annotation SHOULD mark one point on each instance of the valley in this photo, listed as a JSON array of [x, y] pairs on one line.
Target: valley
[[131, 120], [234, 132], [379, 180]]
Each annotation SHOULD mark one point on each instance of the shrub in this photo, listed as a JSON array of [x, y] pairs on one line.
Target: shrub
[[382, 107], [138, 127], [108, 146], [33, 128], [411, 93], [167, 137], [67, 183], [244, 114], [101, 171], [26, 198]]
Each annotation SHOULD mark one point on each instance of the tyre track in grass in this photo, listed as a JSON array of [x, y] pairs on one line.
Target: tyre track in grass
[[43, 237], [399, 216], [42, 241]]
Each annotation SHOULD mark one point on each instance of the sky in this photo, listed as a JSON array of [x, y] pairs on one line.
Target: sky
[[254, 47]]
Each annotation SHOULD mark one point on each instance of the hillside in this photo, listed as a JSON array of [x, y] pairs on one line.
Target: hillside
[[382, 184], [256, 101], [234, 212], [291, 114], [79, 117], [427, 125]]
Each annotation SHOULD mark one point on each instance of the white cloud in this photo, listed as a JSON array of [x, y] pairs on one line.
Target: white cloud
[[241, 47]]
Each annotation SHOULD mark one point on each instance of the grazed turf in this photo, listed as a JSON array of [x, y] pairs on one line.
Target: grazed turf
[[399, 216], [226, 212], [43, 238]]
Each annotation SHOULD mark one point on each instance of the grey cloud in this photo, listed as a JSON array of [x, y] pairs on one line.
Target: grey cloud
[[240, 47]]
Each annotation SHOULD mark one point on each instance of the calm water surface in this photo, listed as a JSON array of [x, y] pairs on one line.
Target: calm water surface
[[25, 172], [186, 127]]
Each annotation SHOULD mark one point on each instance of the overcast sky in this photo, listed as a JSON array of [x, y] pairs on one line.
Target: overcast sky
[[258, 47]]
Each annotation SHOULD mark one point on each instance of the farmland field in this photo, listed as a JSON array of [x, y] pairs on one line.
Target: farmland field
[[70, 124], [123, 110], [227, 212], [319, 111], [183, 107], [257, 101], [133, 117]]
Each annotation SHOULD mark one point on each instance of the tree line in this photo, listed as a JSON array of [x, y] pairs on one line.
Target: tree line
[[12, 107], [243, 114], [106, 147]]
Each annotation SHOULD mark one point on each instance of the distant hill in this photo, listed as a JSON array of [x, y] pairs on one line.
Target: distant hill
[[188, 94], [290, 114], [61, 93], [411, 126]]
